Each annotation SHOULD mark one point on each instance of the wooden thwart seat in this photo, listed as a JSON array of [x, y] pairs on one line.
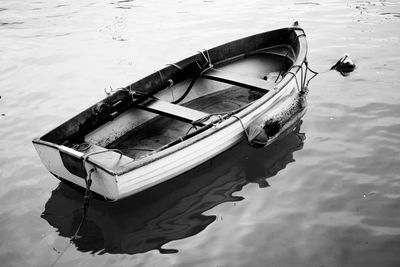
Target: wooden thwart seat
[[172, 110], [238, 80], [280, 50]]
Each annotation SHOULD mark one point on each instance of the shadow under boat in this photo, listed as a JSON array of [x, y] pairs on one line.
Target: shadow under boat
[[172, 210]]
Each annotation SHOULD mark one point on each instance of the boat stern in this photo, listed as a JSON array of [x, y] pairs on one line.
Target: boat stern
[[73, 167]]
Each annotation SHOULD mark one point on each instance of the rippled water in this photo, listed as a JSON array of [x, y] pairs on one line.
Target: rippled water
[[327, 195]]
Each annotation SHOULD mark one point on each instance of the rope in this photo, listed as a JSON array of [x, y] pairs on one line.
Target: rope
[[192, 82], [227, 114], [207, 58], [161, 77], [85, 207], [175, 65], [297, 82], [303, 75], [202, 53], [287, 52], [86, 200], [109, 92], [186, 91], [81, 147], [244, 128], [170, 81], [206, 118], [336, 67], [191, 127], [131, 92], [315, 73], [220, 115]]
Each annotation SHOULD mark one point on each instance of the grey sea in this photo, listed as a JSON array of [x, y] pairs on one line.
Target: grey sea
[[326, 195]]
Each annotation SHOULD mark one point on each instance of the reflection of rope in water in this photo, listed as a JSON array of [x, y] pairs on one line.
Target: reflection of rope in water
[[87, 196], [85, 207]]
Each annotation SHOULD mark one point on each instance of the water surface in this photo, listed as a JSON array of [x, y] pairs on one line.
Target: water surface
[[327, 195]]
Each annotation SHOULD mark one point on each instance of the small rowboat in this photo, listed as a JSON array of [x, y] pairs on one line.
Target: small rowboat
[[183, 115]]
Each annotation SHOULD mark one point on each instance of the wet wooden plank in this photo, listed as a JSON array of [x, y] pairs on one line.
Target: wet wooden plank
[[238, 80], [280, 50], [172, 110]]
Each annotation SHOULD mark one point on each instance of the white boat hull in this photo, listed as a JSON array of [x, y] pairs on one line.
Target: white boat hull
[[114, 186]]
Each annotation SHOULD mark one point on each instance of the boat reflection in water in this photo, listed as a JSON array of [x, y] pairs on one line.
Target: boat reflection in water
[[172, 210]]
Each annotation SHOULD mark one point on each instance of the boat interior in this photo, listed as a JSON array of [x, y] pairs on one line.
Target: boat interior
[[218, 92], [197, 96]]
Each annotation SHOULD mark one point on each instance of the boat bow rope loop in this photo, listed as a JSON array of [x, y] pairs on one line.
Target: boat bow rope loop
[[300, 88]]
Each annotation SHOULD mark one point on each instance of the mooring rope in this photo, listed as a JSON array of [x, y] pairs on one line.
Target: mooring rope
[[344, 66], [313, 72], [86, 199]]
